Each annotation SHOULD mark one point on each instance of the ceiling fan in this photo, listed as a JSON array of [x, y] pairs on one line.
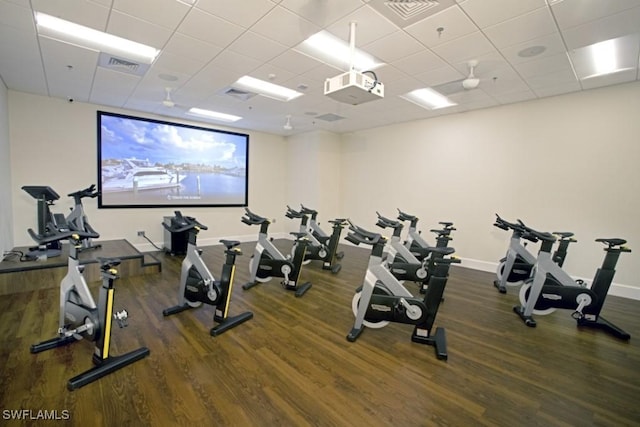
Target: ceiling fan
[[468, 83], [471, 82], [168, 102]]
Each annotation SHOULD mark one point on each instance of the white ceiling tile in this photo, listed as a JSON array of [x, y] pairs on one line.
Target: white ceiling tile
[[256, 46], [553, 79], [244, 13], [551, 43], [137, 30], [513, 97], [165, 13], [440, 76], [525, 27], [613, 26], [209, 28], [21, 65], [420, 62], [174, 63], [560, 89], [370, 26], [79, 11], [184, 45], [285, 27], [490, 12], [295, 62], [322, 13], [112, 87], [393, 46], [453, 22], [233, 61], [464, 48], [69, 69], [16, 16], [545, 65], [569, 13], [273, 74]]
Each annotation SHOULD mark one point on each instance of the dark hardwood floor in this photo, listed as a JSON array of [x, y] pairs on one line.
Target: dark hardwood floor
[[291, 365]]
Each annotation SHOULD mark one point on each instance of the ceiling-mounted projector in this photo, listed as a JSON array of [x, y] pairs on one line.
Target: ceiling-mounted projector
[[353, 88]]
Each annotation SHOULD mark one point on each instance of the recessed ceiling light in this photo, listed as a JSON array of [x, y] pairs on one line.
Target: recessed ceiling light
[[214, 115], [267, 89], [428, 98], [606, 57], [331, 50], [79, 35]]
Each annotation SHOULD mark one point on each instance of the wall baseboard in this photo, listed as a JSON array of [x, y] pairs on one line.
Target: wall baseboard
[[616, 289]]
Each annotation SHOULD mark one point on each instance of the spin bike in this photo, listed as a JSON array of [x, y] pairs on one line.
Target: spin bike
[[382, 298], [321, 247], [553, 288], [267, 261], [401, 261], [80, 317], [519, 262], [416, 243], [77, 218], [197, 284]]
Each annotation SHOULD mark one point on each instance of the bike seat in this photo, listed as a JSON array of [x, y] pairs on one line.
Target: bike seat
[[612, 241], [563, 234], [230, 243], [298, 235], [108, 263], [442, 251]]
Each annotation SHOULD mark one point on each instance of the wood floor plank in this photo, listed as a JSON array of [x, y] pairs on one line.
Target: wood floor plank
[[292, 365]]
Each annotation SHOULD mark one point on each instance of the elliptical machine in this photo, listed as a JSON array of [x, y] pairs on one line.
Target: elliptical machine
[[77, 219], [80, 317], [197, 284], [321, 247], [553, 288], [267, 261], [382, 298], [517, 266]]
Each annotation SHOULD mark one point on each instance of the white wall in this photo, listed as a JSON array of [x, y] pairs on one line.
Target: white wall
[[315, 175], [54, 143], [6, 215], [567, 163]]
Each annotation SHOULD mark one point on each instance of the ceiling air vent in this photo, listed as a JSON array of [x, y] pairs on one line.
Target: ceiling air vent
[[406, 12], [111, 62], [239, 94], [330, 117]]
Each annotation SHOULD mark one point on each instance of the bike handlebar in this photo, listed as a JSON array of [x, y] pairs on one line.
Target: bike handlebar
[[250, 218], [87, 192], [186, 223], [55, 234]]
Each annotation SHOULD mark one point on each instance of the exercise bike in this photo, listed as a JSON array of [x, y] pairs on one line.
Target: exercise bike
[[417, 244], [402, 262], [553, 288], [197, 284], [77, 219], [80, 317], [321, 247], [382, 298], [46, 197], [267, 261], [517, 266]]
